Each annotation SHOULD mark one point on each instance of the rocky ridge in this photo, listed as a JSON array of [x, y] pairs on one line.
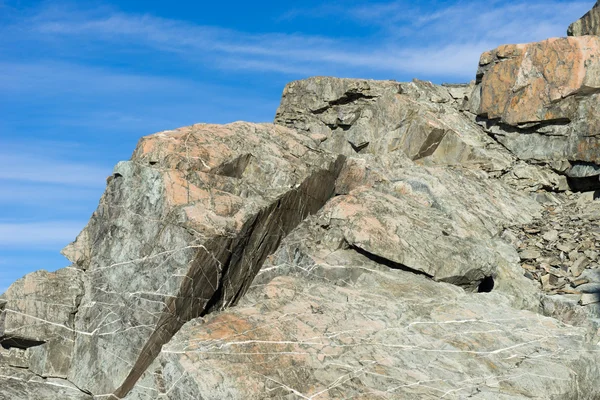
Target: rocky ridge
[[589, 24], [380, 240]]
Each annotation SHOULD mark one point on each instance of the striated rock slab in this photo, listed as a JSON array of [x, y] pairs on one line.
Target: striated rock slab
[[540, 99], [39, 316], [589, 24], [20, 384], [419, 119], [382, 334], [181, 230]]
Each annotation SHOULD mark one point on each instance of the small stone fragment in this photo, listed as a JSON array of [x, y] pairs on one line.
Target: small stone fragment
[[567, 247], [529, 267], [589, 298], [530, 254], [579, 266], [574, 255], [591, 254], [579, 282], [551, 236]]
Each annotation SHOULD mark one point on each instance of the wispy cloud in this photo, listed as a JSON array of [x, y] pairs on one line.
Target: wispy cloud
[[446, 42], [48, 196], [56, 77], [38, 235], [495, 21], [26, 168]]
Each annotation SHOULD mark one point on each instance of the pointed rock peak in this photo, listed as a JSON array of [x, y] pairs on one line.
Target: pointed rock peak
[[589, 24]]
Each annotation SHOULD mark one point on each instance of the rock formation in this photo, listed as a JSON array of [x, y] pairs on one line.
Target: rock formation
[[380, 240], [589, 24]]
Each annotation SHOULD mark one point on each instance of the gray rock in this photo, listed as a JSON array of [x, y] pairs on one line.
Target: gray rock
[[530, 254], [180, 231], [579, 266], [537, 99], [589, 24], [418, 119], [39, 315], [369, 247], [589, 298], [384, 334], [20, 384], [551, 236]]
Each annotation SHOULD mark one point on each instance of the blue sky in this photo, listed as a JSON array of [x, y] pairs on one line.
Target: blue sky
[[81, 82]]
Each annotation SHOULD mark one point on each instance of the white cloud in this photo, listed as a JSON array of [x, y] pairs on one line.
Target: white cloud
[[31, 168], [38, 235], [47, 196], [446, 42], [412, 39], [60, 77]]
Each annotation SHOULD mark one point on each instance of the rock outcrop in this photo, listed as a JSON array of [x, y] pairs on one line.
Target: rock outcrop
[[540, 101], [421, 120], [381, 240], [589, 24]]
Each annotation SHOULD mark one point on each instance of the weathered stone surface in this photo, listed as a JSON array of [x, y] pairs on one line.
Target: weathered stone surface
[[388, 242], [383, 217], [360, 330], [589, 24], [19, 384], [418, 119], [39, 315], [540, 99], [180, 231]]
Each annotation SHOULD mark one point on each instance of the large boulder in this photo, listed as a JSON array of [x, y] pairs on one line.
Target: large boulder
[[354, 328], [181, 231], [39, 316], [418, 119], [589, 24], [540, 99]]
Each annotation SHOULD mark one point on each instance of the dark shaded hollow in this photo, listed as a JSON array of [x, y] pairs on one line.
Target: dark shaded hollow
[[18, 342], [587, 184], [384, 261], [486, 285], [359, 147], [224, 267], [346, 98]]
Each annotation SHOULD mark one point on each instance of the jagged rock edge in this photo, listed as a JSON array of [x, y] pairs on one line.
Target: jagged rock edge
[[227, 253]]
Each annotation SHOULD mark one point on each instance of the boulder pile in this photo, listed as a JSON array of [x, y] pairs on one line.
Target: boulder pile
[[380, 240]]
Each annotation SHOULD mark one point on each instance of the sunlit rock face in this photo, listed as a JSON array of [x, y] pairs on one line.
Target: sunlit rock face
[[381, 240], [540, 100], [417, 119], [589, 24], [181, 230]]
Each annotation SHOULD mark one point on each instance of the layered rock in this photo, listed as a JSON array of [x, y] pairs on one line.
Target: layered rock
[[382, 240], [42, 308], [180, 231], [353, 116], [350, 328], [589, 24], [540, 101], [417, 120]]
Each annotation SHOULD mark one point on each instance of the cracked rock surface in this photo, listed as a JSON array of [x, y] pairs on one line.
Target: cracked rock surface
[[540, 100], [589, 24], [381, 240]]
